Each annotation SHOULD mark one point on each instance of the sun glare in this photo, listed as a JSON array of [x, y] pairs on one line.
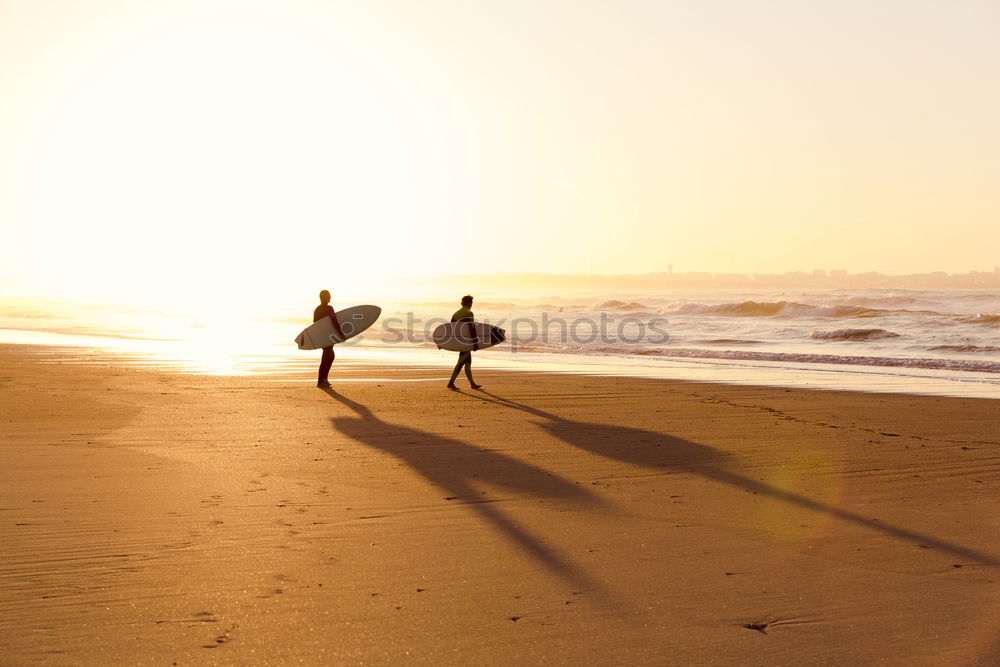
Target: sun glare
[[211, 157]]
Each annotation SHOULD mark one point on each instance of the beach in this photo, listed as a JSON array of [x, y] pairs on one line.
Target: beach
[[156, 517]]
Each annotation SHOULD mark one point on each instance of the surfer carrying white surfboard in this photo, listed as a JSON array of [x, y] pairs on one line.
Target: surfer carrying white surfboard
[[324, 309], [464, 314]]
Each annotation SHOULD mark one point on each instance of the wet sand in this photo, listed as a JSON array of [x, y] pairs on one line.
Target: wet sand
[[158, 518]]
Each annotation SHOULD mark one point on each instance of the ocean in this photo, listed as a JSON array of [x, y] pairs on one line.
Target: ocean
[[914, 341]]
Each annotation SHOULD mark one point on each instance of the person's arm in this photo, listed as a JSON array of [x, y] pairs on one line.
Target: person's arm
[[336, 322], [471, 329]]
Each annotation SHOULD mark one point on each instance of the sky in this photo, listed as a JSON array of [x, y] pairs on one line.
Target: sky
[[176, 150]]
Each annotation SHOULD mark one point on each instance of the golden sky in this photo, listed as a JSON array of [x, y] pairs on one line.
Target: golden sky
[[169, 145]]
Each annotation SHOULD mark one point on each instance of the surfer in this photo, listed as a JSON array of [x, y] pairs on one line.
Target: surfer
[[464, 314], [324, 309]]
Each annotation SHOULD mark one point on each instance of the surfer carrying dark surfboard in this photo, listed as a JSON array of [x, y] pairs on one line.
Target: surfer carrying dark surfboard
[[324, 309], [464, 314]]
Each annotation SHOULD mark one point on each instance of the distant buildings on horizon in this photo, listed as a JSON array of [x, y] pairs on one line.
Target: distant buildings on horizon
[[816, 279], [837, 278]]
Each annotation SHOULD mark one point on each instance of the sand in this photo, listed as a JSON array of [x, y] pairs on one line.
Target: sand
[[149, 517]]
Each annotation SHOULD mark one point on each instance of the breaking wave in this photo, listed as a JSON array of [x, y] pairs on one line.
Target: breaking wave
[[853, 334], [896, 362], [982, 318], [967, 348], [774, 309], [614, 304]]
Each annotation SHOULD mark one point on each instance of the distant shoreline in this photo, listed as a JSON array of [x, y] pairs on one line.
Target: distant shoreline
[[819, 279]]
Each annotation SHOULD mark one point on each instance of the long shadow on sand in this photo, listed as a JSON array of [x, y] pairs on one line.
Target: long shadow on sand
[[454, 466], [661, 451]]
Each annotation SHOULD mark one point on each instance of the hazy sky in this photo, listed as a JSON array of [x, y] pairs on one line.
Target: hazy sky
[[167, 145]]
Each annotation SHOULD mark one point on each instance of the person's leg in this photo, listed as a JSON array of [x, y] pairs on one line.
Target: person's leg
[[468, 372], [462, 357], [324, 365]]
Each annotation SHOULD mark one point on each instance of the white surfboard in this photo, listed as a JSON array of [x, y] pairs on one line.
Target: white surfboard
[[352, 320], [455, 336]]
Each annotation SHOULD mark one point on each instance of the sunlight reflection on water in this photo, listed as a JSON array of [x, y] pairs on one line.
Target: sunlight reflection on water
[[210, 355]]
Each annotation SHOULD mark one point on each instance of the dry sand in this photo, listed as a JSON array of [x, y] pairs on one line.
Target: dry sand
[[157, 518]]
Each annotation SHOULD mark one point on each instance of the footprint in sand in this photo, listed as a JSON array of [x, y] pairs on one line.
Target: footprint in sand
[[276, 591], [219, 640]]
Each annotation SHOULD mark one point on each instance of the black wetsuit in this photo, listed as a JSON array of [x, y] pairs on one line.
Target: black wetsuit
[[328, 355], [464, 314]]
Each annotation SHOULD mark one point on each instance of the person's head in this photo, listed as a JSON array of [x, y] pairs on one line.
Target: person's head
[[324, 297], [467, 301]]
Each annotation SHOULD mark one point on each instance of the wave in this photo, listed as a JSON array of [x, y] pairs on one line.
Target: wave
[[795, 357], [967, 348], [615, 304], [773, 309], [730, 341], [982, 318], [853, 334], [947, 364], [874, 301]]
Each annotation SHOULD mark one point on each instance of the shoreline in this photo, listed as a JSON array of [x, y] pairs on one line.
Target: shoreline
[[149, 516], [273, 360]]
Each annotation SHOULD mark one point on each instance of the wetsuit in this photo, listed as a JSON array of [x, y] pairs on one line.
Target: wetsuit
[[328, 355], [464, 314]]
